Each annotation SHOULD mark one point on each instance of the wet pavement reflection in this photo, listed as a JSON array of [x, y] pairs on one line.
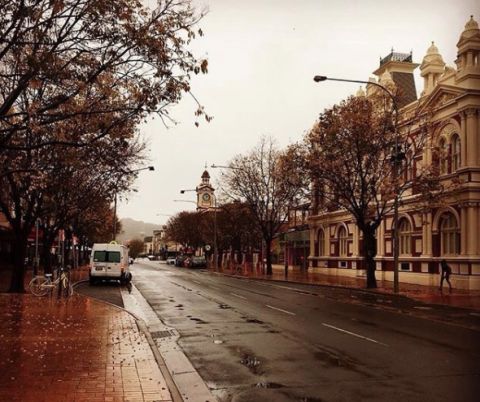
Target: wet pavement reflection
[[74, 349]]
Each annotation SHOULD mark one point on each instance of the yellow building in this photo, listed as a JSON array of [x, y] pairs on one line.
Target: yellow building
[[429, 233]]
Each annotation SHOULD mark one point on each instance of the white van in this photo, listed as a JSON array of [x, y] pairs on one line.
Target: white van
[[109, 261]]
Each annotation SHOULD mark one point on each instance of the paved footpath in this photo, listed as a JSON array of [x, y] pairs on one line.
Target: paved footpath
[[77, 349]]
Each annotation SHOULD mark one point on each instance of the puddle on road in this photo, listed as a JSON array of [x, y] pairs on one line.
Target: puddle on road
[[334, 360], [198, 320], [254, 321], [252, 363], [268, 385]]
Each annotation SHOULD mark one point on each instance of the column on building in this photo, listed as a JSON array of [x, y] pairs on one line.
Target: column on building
[[380, 244], [473, 235], [313, 246], [472, 140], [427, 249], [463, 140], [355, 244], [463, 229]]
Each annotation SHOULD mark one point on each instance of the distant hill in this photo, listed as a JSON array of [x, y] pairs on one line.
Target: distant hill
[[132, 229]]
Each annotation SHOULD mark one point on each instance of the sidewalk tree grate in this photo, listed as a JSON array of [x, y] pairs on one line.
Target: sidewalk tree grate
[[162, 334]]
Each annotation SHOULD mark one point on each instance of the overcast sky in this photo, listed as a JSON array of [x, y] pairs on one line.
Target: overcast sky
[[262, 57]]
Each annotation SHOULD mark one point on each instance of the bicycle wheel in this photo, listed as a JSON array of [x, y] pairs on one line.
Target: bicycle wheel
[[37, 286]]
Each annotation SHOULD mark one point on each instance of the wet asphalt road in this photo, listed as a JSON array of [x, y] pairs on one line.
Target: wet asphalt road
[[268, 341]]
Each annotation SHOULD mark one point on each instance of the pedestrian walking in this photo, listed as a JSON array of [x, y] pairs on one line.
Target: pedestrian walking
[[446, 271]]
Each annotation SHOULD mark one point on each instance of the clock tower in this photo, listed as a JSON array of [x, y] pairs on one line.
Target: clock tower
[[205, 193]]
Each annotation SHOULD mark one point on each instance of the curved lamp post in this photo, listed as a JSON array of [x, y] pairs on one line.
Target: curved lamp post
[[396, 158], [114, 229]]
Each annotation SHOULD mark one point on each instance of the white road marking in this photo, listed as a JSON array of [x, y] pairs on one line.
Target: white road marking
[[197, 282], [279, 309], [353, 334], [296, 290], [241, 297]]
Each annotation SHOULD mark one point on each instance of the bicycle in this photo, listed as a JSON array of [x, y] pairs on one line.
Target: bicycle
[[42, 285]]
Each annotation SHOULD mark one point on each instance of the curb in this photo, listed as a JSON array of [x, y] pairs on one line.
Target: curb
[[187, 379], [142, 326]]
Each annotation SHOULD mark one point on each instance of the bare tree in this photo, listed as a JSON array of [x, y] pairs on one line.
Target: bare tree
[[270, 182]]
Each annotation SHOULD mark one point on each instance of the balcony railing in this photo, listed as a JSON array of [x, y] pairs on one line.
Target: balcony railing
[[393, 56]]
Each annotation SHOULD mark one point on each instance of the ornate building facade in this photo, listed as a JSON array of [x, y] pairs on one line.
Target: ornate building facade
[[427, 233]]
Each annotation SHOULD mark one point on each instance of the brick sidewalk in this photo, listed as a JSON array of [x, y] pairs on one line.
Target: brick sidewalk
[[77, 349], [426, 294]]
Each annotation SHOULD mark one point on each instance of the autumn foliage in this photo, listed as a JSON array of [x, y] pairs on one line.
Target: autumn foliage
[[78, 77]]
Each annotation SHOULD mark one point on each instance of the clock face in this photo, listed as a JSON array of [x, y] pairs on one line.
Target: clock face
[[206, 197]]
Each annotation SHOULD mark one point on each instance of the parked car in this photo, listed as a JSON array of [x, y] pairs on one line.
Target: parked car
[[171, 260], [198, 262], [179, 260]]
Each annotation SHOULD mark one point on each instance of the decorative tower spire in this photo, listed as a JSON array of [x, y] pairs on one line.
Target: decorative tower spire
[[468, 56], [431, 69]]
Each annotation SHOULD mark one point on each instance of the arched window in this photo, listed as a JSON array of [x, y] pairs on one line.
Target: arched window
[[449, 235], [405, 237], [342, 242], [321, 242], [455, 152], [443, 157]]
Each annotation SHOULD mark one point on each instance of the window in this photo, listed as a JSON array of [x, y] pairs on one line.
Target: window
[[408, 167], [321, 242], [443, 148], [342, 242], [455, 152], [449, 235], [404, 237], [106, 256]]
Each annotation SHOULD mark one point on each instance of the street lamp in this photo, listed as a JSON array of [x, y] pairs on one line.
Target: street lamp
[[395, 157], [192, 202], [114, 229]]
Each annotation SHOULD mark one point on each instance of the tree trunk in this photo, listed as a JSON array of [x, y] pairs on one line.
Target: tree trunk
[[369, 253], [18, 273], [268, 254], [48, 240]]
